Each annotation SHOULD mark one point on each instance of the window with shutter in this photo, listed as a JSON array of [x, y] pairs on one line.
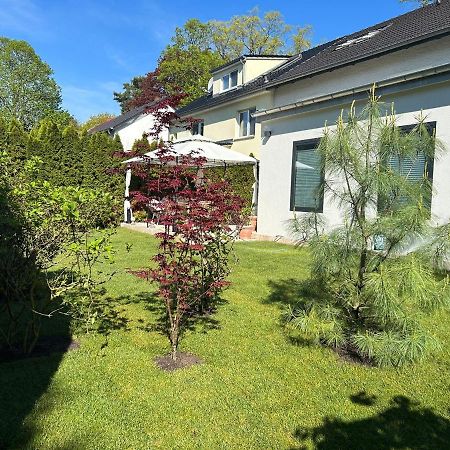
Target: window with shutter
[[307, 177], [414, 169]]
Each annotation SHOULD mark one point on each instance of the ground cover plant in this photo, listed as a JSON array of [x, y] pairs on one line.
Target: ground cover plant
[[374, 275], [259, 387]]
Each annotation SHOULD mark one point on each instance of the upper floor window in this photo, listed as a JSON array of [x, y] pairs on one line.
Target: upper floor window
[[246, 122], [198, 128], [230, 80], [307, 177]]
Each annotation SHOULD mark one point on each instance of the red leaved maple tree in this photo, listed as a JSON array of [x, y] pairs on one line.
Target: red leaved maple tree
[[201, 220]]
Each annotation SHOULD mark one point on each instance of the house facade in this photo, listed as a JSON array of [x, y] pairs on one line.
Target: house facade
[[407, 58], [225, 114], [130, 126]]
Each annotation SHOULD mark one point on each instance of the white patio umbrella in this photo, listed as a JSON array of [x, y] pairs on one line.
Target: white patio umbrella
[[216, 156]]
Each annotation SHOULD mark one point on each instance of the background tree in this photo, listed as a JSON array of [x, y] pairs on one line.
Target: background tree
[[254, 34], [27, 90], [95, 120], [150, 90], [187, 71], [130, 91], [198, 47], [362, 300]]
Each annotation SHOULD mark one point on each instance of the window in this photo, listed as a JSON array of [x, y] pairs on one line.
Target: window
[[414, 169], [307, 177], [198, 128], [246, 122], [230, 80]]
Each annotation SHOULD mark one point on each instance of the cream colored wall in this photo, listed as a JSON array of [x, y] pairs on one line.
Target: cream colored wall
[[217, 77], [222, 123], [255, 67]]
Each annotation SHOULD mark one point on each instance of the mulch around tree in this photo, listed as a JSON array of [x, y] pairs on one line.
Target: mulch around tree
[[184, 360], [350, 355], [46, 346]]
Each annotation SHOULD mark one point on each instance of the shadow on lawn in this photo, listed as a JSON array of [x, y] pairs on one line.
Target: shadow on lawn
[[23, 382], [404, 424], [194, 322], [285, 292]]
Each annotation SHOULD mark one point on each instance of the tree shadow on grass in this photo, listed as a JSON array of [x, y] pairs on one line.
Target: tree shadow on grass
[[193, 322], [286, 292], [23, 381], [404, 424]]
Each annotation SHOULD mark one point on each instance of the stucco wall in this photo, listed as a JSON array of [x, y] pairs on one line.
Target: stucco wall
[[133, 130], [255, 67], [222, 123], [276, 156]]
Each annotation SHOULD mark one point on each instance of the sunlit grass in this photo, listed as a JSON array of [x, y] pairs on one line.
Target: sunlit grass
[[256, 387]]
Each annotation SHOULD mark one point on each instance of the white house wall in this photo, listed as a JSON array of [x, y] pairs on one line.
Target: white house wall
[[130, 131], [276, 153]]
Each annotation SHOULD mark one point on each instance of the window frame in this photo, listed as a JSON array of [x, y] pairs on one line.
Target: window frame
[[200, 127], [251, 124], [229, 78], [306, 144]]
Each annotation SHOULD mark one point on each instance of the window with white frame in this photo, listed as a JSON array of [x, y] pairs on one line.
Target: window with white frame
[[230, 80], [198, 128], [246, 122]]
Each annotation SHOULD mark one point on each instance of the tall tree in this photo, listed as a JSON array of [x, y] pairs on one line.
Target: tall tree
[[150, 90], [130, 91], [28, 91], [257, 35], [187, 71]]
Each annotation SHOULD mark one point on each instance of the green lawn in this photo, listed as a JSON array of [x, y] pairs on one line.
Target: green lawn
[[258, 388]]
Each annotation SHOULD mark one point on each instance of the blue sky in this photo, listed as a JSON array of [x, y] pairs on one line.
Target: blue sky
[[95, 46]]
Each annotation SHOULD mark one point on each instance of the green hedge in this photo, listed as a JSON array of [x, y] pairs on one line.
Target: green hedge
[[69, 157]]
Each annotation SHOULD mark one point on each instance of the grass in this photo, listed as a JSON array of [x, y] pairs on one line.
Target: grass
[[259, 388]]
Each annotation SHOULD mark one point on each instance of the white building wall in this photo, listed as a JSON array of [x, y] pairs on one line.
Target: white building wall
[[130, 131], [276, 156]]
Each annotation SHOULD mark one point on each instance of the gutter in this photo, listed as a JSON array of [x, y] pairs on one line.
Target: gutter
[[360, 89]]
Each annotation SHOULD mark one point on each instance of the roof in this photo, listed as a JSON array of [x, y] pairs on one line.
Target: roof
[[119, 120], [428, 22]]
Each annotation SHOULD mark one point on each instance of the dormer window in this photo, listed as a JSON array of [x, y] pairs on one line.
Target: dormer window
[[230, 80]]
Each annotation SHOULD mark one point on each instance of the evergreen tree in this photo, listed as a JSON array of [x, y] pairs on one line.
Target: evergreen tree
[[15, 139], [371, 279]]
